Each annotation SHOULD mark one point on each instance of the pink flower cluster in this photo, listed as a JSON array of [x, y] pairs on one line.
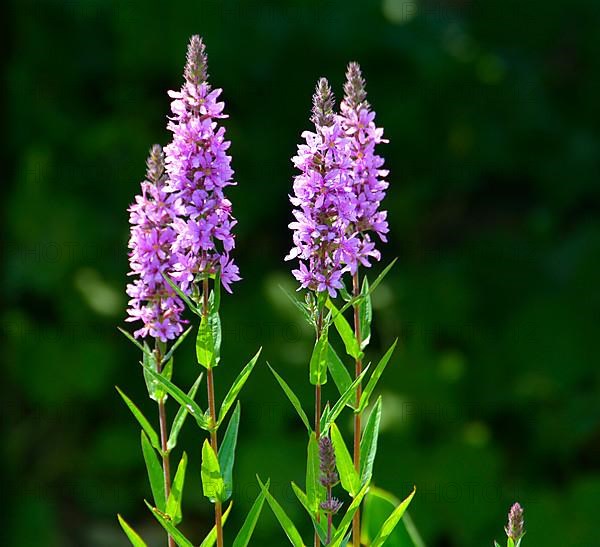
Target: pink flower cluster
[[339, 190]]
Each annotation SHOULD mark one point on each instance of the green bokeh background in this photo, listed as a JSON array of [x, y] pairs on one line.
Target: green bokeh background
[[493, 117]]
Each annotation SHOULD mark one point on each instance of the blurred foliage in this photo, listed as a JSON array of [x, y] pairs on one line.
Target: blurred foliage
[[492, 113]]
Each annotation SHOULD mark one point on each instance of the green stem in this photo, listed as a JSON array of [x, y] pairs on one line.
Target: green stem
[[162, 418], [210, 387], [357, 415]]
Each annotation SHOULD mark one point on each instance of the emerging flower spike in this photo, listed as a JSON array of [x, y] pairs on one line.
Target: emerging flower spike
[[152, 300], [329, 476], [199, 169], [515, 527], [322, 200], [368, 184]]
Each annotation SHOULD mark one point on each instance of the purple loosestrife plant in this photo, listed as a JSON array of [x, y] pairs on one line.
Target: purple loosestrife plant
[[183, 246], [336, 207]]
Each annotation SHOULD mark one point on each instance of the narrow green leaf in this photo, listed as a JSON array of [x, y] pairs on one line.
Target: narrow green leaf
[[210, 471], [329, 417], [364, 400], [134, 341], [236, 387], [176, 494], [131, 534], [211, 538], [375, 284], [496, 544], [288, 526], [155, 473], [191, 305], [345, 331], [338, 371], [315, 492], [243, 536], [318, 361], [177, 343], [183, 399], [214, 322], [392, 521], [338, 539], [368, 443], [149, 430], [169, 527], [293, 398], [299, 305], [320, 526], [205, 345], [227, 451], [215, 295], [348, 475], [181, 416], [365, 314]]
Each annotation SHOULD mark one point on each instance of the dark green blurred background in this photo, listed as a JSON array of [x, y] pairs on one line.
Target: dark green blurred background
[[493, 113]]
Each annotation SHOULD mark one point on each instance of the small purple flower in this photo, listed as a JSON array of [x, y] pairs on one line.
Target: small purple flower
[[368, 184], [152, 300], [322, 199], [331, 505], [199, 169]]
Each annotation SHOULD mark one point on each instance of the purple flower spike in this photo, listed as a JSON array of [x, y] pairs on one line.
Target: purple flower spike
[[514, 528], [368, 184], [329, 476], [199, 169], [152, 300], [322, 200]]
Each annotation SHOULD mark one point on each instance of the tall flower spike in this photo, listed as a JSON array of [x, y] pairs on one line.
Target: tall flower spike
[[515, 527], [199, 170], [329, 476], [152, 300], [368, 177], [323, 209]]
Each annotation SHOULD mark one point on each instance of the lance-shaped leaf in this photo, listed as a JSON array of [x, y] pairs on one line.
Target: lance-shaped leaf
[[298, 305], [365, 314], [144, 349], [183, 399], [148, 429], [176, 494], [375, 284], [345, 331], [210, 471], [378, 506], [318, 361], [236, 387], [329, 416], [190, 304], [131, 534], [315, 491], [364, 400], [181, 416], [243, 536], [177, 343], [211, 538], [368, 443], [340, 535], [286, 524], [338, 370], [343, 461], [169, 527], [293, 398], [205, 344], [155, 473], [319, 525], [227, 451], [392, 521]]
